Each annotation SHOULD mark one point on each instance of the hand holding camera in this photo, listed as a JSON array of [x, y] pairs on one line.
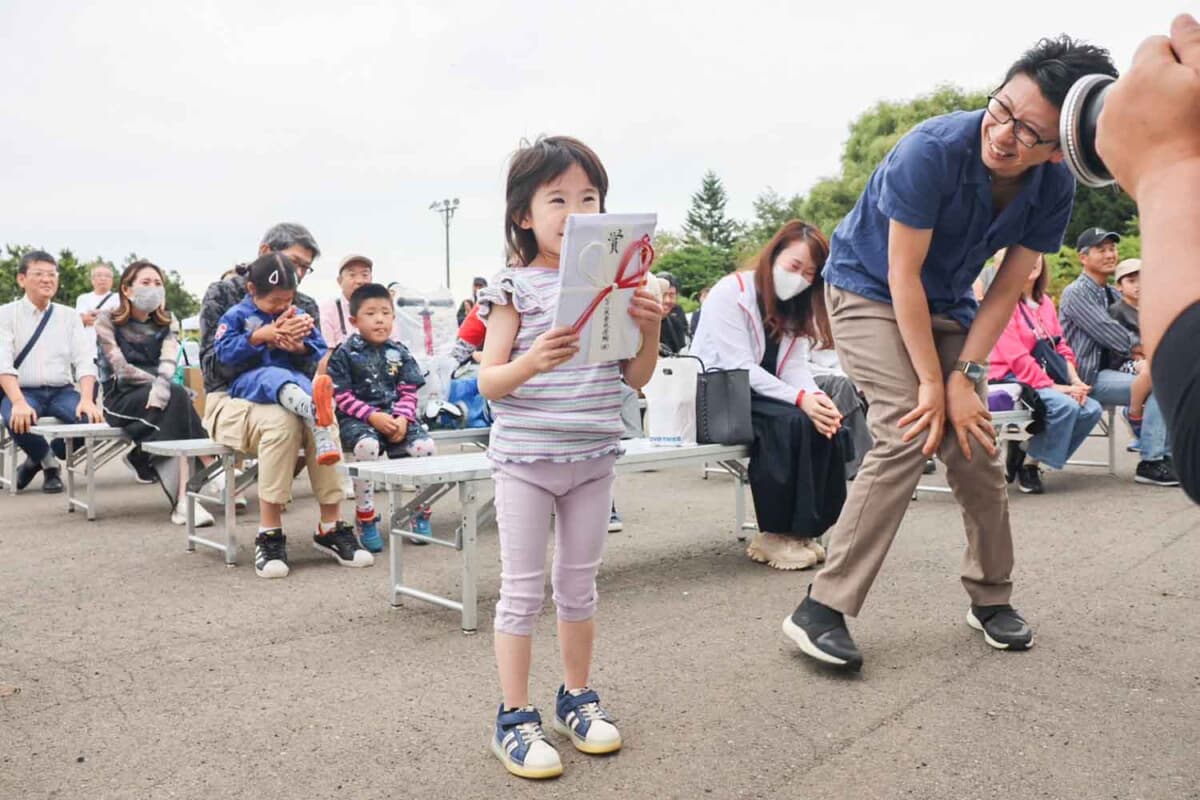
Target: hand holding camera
[[1150, 124]]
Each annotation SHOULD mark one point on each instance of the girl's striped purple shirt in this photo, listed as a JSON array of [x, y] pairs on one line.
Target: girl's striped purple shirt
[[567, 414]]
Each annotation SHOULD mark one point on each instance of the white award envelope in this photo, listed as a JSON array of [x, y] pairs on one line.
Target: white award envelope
[[604, 259]]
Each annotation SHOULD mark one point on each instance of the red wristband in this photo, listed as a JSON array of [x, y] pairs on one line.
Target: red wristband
[[799, 398]]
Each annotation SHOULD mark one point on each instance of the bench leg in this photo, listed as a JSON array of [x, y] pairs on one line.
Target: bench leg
[[230, 506], [70, 473], [739, 505], [89, 460], [395, 547], [468, 493], [1112, 442]]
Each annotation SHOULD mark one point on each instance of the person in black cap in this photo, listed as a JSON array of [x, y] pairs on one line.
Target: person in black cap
[[1102, 344], [476, 285]]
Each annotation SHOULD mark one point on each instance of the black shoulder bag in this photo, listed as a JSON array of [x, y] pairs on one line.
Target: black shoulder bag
[[1044, 351], [723, 406]]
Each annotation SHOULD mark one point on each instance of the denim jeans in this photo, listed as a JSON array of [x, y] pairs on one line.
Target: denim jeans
[[1067, 425], [47, 401], [1111, 388]]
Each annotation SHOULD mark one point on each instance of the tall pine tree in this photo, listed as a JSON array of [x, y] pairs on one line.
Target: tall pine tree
[[706, 222]]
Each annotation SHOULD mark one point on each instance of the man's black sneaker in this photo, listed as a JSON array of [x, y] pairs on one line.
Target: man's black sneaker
[[25, 473], [141, 464], [1003, 626], [51, 482], [820, 632], [270, 554], [1013, 461], [1029, 479], [1156, 473], [342, 544]]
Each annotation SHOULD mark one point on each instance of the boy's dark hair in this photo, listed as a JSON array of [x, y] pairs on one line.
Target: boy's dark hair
[[35, 256], [1056, 64], [368, 291], [535, 165], [270, 272]]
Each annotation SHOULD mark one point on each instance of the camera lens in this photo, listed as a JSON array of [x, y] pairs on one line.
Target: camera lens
[[1077, 130]]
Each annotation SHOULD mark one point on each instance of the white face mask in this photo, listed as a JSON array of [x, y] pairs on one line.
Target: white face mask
[[148, 298], [788, 284]]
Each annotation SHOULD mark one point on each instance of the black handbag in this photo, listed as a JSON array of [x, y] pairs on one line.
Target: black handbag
[[723, 406], [1045, 352]]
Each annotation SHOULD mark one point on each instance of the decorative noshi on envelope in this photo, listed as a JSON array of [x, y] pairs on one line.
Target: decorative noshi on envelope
[[604, 259]]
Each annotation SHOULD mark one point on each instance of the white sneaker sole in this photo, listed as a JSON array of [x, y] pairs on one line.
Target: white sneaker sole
[[329, 551], [974, 622], [616, 527], [520, 771], [797, 635], [1150, 482], [582, 745]]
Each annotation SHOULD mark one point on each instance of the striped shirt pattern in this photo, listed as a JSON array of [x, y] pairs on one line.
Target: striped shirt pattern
[[568, 414], [1089, 329], [405, 406]]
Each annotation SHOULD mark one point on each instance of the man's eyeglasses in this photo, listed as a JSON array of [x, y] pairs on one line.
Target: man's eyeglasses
[[1024, 134]]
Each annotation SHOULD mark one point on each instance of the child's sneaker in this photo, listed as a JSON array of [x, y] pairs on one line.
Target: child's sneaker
[[368, 534], [323, 401], [343, 546], [615, 523], [270, 554], [420, 524], [520, 744], [578, 714]]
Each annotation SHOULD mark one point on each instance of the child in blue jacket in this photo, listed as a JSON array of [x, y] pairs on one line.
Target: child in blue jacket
[[275, 347]]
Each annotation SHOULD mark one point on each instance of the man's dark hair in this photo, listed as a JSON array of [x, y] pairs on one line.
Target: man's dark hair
[[368, 291], [1056, 64], [34, 256], [285, 234], [669, 278]]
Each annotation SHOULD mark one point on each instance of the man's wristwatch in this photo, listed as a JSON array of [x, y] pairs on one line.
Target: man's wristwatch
[[975, 372]]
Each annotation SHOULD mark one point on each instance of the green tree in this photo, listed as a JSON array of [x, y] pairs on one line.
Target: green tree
[[696, 266], [872, 136], [1109, 208], [706, 222]]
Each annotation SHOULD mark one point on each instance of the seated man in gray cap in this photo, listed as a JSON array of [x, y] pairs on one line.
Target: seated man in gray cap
[[1102, 346]]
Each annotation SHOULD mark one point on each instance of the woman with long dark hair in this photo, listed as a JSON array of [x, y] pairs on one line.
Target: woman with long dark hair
[[765, 320], [137, 350]]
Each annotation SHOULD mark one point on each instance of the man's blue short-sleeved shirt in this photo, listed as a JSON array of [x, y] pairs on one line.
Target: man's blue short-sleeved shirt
[[934, 178]]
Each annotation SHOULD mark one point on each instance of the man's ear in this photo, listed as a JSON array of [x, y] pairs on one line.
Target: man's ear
[[263, 249], [1057, 156]]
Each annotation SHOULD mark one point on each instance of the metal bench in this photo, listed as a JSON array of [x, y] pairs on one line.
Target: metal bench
[[470, 473], [101, 444], [224, 458], [1108, 429]]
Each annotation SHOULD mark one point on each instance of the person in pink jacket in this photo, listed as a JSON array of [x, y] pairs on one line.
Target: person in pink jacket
[[1070, 413]]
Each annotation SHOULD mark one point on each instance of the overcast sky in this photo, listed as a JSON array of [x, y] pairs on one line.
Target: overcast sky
[[182, 131]]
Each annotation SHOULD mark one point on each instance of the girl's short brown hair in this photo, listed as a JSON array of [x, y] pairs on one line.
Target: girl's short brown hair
[[533, 166]]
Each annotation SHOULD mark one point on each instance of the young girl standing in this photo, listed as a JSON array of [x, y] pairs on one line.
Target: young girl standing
[[554, 445]]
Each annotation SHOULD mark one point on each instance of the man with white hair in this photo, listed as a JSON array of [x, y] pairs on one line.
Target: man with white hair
[[100, 298]]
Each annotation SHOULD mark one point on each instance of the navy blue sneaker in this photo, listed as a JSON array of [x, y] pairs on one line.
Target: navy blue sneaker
[[520, 744], [578, 714]]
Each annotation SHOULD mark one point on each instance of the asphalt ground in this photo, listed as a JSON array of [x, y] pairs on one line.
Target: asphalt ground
[[130, 668]]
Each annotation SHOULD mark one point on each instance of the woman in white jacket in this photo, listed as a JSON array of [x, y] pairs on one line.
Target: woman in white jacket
[[763, 320]]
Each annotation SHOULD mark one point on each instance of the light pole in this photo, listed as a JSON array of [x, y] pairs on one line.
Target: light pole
[[446, 209]]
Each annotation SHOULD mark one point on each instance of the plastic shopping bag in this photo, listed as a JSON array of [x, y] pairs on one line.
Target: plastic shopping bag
[[671, 402]]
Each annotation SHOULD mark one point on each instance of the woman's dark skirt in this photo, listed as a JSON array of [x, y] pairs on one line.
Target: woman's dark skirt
[[797, 476], [125, 407]]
